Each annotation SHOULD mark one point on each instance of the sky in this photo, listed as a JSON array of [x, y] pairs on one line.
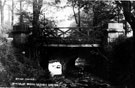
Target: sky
[[60, 15]]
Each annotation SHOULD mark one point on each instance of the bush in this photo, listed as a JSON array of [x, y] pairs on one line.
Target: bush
[[8, 61], [13, 67], [117, 41]]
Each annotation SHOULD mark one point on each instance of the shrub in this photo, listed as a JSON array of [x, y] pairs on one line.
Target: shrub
[[117, 41], [8, 61], [13, 67]]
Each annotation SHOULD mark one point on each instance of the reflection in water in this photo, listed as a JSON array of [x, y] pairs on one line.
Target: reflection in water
[[80, 62]]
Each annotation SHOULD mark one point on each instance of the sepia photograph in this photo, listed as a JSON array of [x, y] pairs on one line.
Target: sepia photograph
[[67, 44]]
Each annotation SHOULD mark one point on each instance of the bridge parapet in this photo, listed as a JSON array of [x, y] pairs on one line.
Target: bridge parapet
[[71, 41], [63, 36], [71, 36]]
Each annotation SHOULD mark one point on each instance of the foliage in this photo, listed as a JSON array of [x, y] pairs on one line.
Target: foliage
[[109, 48], [97, 11], [14, 64], [119, 40], [125, 52], [44, 24], [128, 8], [37, 4], [95, 16], [90, 16], [9, 62]]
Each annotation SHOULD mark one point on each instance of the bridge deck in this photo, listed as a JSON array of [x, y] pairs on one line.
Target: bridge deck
[[70, 42], [71, 45]]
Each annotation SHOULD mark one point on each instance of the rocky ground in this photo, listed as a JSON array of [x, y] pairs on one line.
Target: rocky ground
[[78, 79], [84, 80]]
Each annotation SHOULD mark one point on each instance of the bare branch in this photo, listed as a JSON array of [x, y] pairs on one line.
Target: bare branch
[[73, 5]]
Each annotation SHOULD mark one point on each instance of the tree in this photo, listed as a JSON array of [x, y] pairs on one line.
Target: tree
[[128, 11], [12, 13], [94, 15], [127, 46], [2, 4], [37, 4]]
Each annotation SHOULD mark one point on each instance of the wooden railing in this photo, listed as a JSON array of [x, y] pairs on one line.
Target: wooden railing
[[71, 35], [64, 35]]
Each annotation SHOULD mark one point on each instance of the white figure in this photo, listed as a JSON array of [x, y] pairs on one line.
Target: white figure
[[55, 68]]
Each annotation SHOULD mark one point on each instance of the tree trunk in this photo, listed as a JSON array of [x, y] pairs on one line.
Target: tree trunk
[[2, 16], [131, 20], [37, 4], [12, 22], [2, 11]]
